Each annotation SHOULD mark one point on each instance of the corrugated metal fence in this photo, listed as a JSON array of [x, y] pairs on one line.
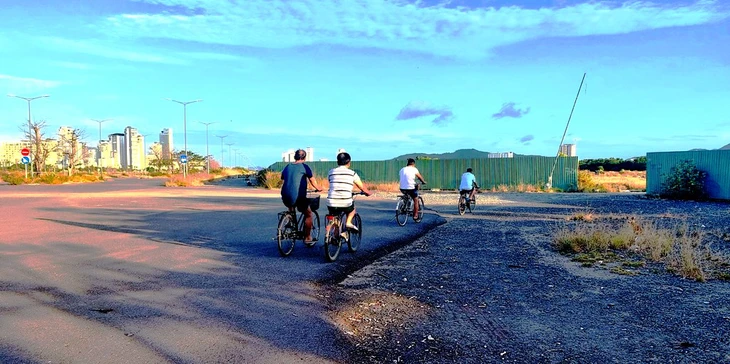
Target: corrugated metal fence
[[715, 162], [446, 173]]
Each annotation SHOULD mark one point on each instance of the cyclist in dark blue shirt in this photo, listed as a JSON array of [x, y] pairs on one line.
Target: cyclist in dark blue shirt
[[294, 191]]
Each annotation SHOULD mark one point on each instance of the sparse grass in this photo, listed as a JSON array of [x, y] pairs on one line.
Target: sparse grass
[[521, 187], [675, 244], [617, 181], [192, 180], [583, 216], [51, 178], [199, 178]]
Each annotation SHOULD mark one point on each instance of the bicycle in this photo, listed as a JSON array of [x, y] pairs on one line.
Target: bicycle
[[404, 208], [291, 228], [466, 203], [334, 235]]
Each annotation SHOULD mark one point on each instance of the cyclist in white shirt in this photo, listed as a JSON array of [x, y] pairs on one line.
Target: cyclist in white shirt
[[408, 175], [342, 180], [468, 184]]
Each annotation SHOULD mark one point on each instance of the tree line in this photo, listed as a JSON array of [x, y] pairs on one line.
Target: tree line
[[613, 164]]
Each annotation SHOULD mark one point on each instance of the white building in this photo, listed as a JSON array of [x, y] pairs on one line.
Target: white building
[[133, 156], [501, 155], [569, 150], [166, 143]]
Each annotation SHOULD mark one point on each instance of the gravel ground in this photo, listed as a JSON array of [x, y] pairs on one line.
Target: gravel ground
[[488, 287]]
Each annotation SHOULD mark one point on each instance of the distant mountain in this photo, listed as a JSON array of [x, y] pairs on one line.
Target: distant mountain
[[727, 147], [459, 154]]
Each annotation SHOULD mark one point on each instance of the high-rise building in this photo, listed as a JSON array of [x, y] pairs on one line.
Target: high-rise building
[[569, 150], [288, 156], [133, 153], [310, 154], [166, 143], [117, 150]]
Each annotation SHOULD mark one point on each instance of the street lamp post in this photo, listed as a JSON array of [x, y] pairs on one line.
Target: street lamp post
[[221, 136], [98, 144], [229, 152], [235, 154], [207, 153], [185, 128], [30, 123]]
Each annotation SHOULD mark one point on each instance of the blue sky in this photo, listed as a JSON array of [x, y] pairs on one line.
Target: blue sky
[[378, 78]]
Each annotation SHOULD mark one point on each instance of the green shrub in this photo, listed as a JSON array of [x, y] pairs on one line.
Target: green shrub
[[13, 178], [684, 182], [270, 179], [52, 178], [587, 184]]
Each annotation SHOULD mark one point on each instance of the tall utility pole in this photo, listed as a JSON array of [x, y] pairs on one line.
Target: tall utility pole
[[185, 128], [229, 152], [207, 153], [235, 153], [30, 124], [221, 136], [550, 177], [98, 144]]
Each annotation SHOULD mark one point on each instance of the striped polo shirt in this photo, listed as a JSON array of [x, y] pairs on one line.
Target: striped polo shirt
[[342, 180]]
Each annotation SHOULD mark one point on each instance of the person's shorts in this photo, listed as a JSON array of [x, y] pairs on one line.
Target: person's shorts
[[413, 193], [301, 204], [468, 192], [339, 210]]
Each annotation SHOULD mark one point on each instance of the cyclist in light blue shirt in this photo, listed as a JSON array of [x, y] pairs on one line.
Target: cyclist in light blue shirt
[[468, 184]]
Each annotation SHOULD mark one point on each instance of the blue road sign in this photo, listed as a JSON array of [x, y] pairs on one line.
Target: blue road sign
[[183, 158], [25, 159]]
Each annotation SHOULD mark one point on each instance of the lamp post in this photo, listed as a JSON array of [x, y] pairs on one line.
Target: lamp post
[[30, 124], [98, 144], [221, 136], [235, 153], [185, 128], [229, 151], [207, 153]]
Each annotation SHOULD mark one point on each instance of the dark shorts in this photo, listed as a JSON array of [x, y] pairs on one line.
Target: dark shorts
[[468, 192], [301, 204], [339, 210], [412, 193]]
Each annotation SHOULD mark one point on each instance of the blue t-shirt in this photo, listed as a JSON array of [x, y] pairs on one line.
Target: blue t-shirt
[[295, 177], [467, 181]]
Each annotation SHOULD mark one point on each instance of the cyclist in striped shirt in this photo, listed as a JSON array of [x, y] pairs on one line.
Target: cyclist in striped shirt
[[342, 180]]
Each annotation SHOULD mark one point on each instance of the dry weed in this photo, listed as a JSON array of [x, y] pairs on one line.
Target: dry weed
[[680, 248]]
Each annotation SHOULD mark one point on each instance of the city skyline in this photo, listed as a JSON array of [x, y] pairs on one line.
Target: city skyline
[[377, 78]]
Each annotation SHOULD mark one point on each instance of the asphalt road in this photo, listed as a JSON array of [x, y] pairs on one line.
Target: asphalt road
[[131, 271]]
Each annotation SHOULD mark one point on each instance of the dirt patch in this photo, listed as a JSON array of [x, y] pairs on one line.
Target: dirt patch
[[491, 288]]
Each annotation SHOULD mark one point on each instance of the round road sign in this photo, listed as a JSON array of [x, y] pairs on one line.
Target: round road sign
[[25, 151], [25, 159]]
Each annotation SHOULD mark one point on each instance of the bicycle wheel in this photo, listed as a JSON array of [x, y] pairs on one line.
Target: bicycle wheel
[[473, 203], [354, 237], [421, 206], [286, 234], [401, 211], [315, 230], [462, 204], [332, 243]]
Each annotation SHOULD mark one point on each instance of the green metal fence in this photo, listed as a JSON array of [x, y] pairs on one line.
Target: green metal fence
[[715, 162], [446, 173]]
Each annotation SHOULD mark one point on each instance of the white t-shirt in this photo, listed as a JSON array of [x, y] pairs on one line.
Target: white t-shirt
[[408, 178], [342, 180], [467, 181]]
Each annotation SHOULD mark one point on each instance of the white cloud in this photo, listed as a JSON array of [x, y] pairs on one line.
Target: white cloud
[[112, 52], [16, 85], [437, 30]]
